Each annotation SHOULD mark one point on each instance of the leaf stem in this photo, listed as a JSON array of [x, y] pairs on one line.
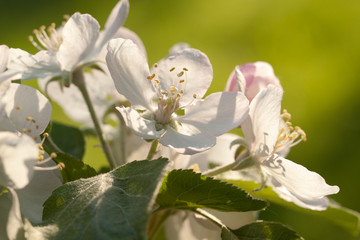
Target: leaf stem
[[153, 149], [209, 216], [78, 80], [224, 168]]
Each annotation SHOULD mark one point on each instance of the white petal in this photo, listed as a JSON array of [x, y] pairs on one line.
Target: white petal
[[115, 20], [187, 144], [10, 217], [18, 156], [42, 64], [140, 126], [33, 196], [129, 69], [183, 226], [265, 117], [4, 53], [197, 79], [179, 47], [126, 33], [305, 186], [24, 102], [218, 113], [79, 36], [258, 75]]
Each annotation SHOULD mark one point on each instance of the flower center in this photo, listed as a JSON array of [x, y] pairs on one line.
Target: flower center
[[29, 125], [289, 136], [168, 99], [48, 38]]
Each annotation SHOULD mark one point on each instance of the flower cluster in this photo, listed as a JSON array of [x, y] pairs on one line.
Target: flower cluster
[[102, 80]]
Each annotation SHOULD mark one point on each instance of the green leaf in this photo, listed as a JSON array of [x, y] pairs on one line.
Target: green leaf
[[74, 169], [260, 231], [341, 216], [185, 189], [115, 205], [68, 139]]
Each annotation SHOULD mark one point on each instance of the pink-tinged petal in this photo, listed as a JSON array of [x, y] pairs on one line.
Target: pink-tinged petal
[[303, 187], [264, 120], [187, 144], [28, 109], [140, 126], [258, 75], [33, 196], [11, 226], [42, 64], [18, 156], [129, 70], [4, 54], [79, 34], [115, 20], [236, 81], [197, 78], [218, 113]]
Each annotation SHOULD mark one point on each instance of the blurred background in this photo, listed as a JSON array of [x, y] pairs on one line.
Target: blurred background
[[314, 47]]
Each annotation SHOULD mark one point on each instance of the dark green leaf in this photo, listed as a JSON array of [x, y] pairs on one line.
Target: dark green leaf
[[74, 169], [115, 205], [261, 231], [68, 139], [341, 216], [185, 189]]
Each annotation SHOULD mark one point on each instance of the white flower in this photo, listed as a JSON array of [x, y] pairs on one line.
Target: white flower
[[166, 101], [99, 85], [268, 138], [64, 50], [27, 184], [25, 110]]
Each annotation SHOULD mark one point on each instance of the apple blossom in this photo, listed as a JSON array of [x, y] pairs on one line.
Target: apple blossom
[[68, 48], [166, 101], [269, 136]]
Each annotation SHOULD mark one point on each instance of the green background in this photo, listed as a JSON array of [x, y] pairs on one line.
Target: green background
[[314, 47]]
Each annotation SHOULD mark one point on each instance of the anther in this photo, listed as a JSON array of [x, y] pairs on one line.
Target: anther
[[194, 96], [181, 81], [185, 69], [61, 166], [53, 155], [173, 89], [157, 81], [17, 108], [156, 65], [180, 74], [29, 119], [172, 69], [151, 77]]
